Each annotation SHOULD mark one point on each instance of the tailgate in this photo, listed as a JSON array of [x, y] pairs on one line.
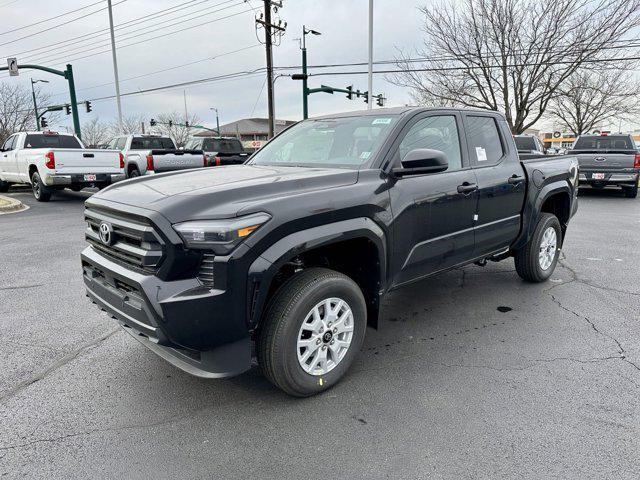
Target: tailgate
[[176, 160], [606, 162], [86, 161]]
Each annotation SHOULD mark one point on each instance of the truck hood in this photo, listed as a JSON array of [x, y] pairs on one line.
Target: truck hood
[[222, 192]]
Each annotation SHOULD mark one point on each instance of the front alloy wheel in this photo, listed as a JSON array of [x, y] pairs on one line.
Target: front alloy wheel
[[325, 336]]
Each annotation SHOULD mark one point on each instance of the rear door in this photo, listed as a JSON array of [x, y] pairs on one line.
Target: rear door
[[501, 182], [433, 213]]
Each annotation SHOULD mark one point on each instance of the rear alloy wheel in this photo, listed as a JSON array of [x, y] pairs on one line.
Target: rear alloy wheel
[[41, 192], [312, 331], [536, 261]]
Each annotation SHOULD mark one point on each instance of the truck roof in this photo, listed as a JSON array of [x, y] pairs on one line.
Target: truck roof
[[48, 132], [404, 110]]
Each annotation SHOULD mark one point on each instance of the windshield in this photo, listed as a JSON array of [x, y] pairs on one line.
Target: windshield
[[338, 142], [525, 143], [51, 141], [222, 145], [608, 143], [152, 143]]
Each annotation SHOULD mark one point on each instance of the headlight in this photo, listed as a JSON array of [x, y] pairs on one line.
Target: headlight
[[221, 236]]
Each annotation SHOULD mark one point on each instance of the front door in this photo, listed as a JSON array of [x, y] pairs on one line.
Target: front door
[[8, 159], [433, 213]]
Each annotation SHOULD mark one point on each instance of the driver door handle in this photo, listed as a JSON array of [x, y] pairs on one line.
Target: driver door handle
[[467, 188], [515, 179]]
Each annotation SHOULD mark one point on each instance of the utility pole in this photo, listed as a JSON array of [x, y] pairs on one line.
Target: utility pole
[[115, 65], [186, 113], [270, 30], [370, 103]]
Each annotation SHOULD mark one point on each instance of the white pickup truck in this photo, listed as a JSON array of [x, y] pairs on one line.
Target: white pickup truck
[[149, 154], [50, 161]]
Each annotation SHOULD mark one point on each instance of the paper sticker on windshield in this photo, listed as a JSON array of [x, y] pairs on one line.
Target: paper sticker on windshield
[[481, 154], [381, 121], [365, 155]]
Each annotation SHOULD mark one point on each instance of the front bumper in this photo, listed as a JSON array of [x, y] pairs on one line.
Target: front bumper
[[78, 179], [610, 179], [181, 321]]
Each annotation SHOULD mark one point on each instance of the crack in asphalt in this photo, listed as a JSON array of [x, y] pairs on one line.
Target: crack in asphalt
[[622, 354], [22, 287], [56, 365]]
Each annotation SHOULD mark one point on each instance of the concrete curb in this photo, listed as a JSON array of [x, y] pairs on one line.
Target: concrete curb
[[13, 205]]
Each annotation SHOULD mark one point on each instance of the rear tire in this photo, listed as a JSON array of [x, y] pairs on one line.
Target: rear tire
[[319, 307], [536, 261], [134, 172], [631, 192], [4, 186], [41, 192]]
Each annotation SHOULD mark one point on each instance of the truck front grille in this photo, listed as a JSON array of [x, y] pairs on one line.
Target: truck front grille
[[205, 274], [131, 242]]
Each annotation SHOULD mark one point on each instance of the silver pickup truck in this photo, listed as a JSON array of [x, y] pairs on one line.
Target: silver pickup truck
[[149, 154], [608, 160]]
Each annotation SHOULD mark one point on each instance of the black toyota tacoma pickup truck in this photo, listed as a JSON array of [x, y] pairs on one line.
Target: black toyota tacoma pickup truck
[[285, 259]]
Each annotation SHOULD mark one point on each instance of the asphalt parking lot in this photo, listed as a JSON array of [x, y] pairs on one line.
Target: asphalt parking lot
[[473, 374]]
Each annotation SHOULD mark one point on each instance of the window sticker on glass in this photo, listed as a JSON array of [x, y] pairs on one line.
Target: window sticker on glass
[[381, 121], [365, 155], [481, 154]]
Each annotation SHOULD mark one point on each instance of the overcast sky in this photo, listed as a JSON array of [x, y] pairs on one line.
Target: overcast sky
[[343, 24]]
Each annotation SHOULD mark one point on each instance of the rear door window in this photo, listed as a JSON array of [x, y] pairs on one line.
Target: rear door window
[[485, 145]]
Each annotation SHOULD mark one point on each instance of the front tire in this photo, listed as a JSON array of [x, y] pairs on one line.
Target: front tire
[[536, 261], [312, 331], [41, 192]]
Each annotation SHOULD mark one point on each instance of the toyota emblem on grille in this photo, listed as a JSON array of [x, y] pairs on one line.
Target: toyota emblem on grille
[[600, 159], [106, 233]]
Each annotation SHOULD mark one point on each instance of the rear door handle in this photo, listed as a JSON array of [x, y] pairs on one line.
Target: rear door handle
[[515, 179], [467, 188]]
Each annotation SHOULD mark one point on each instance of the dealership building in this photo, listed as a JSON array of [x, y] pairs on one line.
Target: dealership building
[[252, 132]]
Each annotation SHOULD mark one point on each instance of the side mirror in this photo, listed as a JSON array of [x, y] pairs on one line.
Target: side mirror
[[422, 160]]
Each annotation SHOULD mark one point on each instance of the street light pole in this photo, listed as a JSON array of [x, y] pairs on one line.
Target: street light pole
[[305, 88], [370, 86], [115, 65], [35, 105], [217, 121]]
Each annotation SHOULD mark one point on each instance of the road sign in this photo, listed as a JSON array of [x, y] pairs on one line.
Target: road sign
[[13, 66]]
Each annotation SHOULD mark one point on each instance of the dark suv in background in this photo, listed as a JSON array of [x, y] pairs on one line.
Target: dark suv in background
[[219, 150], [608, 161]]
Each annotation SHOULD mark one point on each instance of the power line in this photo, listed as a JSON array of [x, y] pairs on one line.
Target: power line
[[50, 18], [163, 70], [139, 32], [40, 32], [163, 35], [82, 39]]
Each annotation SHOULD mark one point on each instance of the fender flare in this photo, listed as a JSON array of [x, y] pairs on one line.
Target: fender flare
[[533, 209], [263, 270]]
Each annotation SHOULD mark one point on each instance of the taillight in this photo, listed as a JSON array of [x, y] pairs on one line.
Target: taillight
[[51, 160], [204, 160], [218, 161], [150, 162], [636, 161], [121, 160]]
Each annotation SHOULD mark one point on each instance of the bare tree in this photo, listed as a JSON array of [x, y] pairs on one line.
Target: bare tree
[[95, 133], [511, 55], [178, 129], [591, 98], [130, 124], [16, 109]]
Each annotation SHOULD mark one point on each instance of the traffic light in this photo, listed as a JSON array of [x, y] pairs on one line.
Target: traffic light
[[366, 97], [152, 122], [186, 124], [380, 101], [170, 123], [87, 106], [43, 122], [350, 92], [67, 109]]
